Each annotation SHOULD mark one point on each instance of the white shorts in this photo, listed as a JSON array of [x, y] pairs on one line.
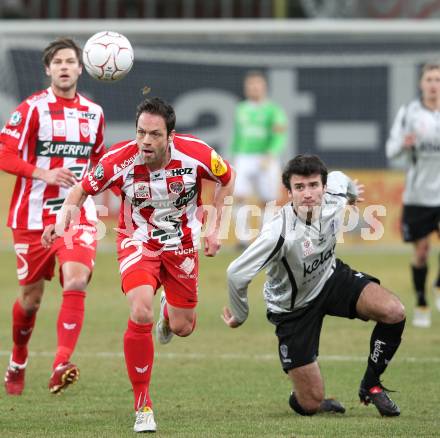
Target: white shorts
[[257, 175]]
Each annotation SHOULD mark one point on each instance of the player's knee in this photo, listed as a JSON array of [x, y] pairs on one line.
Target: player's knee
[[182, 330], [141, 313], [308, 405], [77, 282], [31, 299], [422, 254], [395, 312]]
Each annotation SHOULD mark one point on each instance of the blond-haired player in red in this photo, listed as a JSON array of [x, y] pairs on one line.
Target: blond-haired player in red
[[48, 143], [160, 176]]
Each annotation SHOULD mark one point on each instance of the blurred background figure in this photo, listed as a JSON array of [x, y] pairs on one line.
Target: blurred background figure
[[259, 138], [12, 9], [416, 135]]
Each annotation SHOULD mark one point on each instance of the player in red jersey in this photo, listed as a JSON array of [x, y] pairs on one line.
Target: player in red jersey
[[49, 142], [160, 177]]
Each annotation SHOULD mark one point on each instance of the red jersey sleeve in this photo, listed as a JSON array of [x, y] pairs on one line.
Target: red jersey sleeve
[[219, 169], [98, 150], [107, 173], [214, 167], [21, 125]]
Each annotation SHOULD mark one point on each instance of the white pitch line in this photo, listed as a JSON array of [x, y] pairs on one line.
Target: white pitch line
[[230, 356]]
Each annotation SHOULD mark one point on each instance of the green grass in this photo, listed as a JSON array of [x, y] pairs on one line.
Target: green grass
[[217, 382]]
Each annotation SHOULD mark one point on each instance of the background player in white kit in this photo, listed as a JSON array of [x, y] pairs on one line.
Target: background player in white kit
[[49, 142], [305, 282], [416, 135]]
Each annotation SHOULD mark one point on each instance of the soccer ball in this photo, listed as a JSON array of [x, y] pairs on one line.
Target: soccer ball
[[108, 56]]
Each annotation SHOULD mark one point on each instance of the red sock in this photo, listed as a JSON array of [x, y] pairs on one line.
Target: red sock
[[139, 356], [22, 325], [69, 324]]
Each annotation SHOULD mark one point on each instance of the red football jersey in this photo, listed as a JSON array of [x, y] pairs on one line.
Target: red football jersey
[[160, 207], [48, 132]]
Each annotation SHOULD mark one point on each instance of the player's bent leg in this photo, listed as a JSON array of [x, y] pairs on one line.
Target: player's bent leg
[[378, 304], [309, 389], [23, 321], [182, 320], [74, 278], [163, 329]]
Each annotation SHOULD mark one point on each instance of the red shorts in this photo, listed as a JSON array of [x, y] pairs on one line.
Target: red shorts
[[177, 271], [35, 262]]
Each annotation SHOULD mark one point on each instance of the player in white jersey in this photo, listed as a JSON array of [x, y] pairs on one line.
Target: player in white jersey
[[160, 177], [305, 282], [49, 142], [416, 135]]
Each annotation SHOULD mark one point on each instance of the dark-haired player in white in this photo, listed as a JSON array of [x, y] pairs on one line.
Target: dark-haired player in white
[[305, 282], [416, 135]]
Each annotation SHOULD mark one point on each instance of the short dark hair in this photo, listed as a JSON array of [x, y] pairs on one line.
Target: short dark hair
[[158, 106], [429, 66], [304, 165], [60, 43], [255, 74]]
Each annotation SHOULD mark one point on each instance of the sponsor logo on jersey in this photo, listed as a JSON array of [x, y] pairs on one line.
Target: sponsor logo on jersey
[[218, 166], [118, 167], [184, 199], [156, 176], [429, 147], [11, 132], [53, 205], [99, 172], [180, 171], [71, 149], [92, 182], [53, 112], [85, 129], [16, 118], [142, 190], [71, 114], [179, 202], [308, 248], [188, 265], [185, 251], [59, 128], [86, 115], [323, 257], [176, 187]]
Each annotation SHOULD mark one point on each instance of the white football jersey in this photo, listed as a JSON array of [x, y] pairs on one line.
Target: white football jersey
[[299, 257], [422, 185]]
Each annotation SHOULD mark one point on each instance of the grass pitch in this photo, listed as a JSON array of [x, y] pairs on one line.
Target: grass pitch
[[217, 382]]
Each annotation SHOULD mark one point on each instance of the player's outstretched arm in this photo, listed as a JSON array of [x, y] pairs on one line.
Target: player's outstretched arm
[[355, 192], [71, 207], [11, 162], [229, 319], [212, 241]]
